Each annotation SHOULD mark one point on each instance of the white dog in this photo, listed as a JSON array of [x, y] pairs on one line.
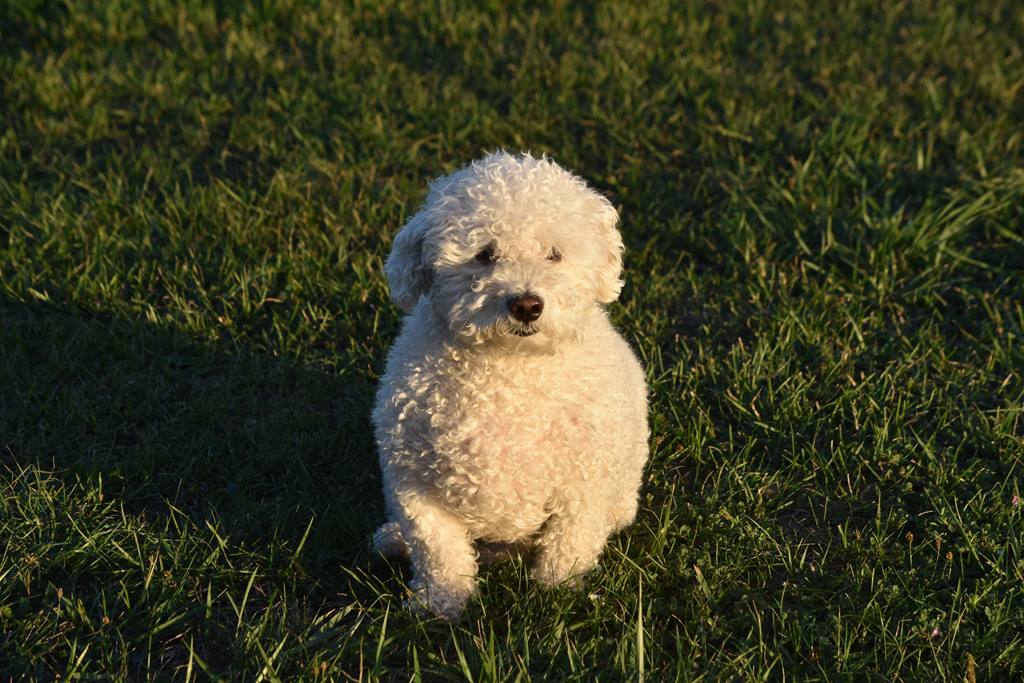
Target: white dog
[[511, 410]]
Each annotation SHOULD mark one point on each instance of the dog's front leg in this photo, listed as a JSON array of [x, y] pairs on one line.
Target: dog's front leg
[[443, 558], [570, 544]]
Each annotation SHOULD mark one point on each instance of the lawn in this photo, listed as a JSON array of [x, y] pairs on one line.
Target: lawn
[[823, 207]]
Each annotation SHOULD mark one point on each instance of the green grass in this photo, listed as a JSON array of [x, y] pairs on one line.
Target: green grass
[[823, 209]]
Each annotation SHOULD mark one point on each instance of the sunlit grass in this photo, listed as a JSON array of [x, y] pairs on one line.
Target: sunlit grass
[[825, 275]]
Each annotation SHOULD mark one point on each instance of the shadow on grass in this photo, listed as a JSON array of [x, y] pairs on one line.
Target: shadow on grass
[[202, 442], [260, 445]]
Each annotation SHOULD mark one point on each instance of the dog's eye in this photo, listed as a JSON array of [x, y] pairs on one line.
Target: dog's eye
[[486, 255], [554, 255]]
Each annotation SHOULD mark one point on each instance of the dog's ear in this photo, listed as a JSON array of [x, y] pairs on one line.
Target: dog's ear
[[609, 282], [408, 277]]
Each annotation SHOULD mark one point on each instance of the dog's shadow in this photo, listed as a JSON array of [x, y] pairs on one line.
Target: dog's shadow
[[261, 446]]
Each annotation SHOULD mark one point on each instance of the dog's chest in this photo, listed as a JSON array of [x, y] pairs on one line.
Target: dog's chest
[[502, 443]]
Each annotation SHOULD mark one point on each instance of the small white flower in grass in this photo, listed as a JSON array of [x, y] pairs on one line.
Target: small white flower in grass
[[1015, 501], [936, 632]]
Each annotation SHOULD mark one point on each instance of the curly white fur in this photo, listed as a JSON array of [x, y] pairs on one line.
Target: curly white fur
[[491, 429]]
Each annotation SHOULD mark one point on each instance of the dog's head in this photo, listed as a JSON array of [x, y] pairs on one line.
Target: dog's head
[[510, 248]]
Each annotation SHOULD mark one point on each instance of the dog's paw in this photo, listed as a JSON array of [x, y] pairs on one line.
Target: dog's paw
[[445, 607], [447, 604], [552, 572]]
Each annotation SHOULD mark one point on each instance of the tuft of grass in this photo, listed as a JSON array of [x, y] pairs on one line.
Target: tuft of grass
[[825, 276]]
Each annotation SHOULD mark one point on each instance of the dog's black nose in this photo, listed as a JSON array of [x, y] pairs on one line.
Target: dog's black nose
[[526, 307]]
